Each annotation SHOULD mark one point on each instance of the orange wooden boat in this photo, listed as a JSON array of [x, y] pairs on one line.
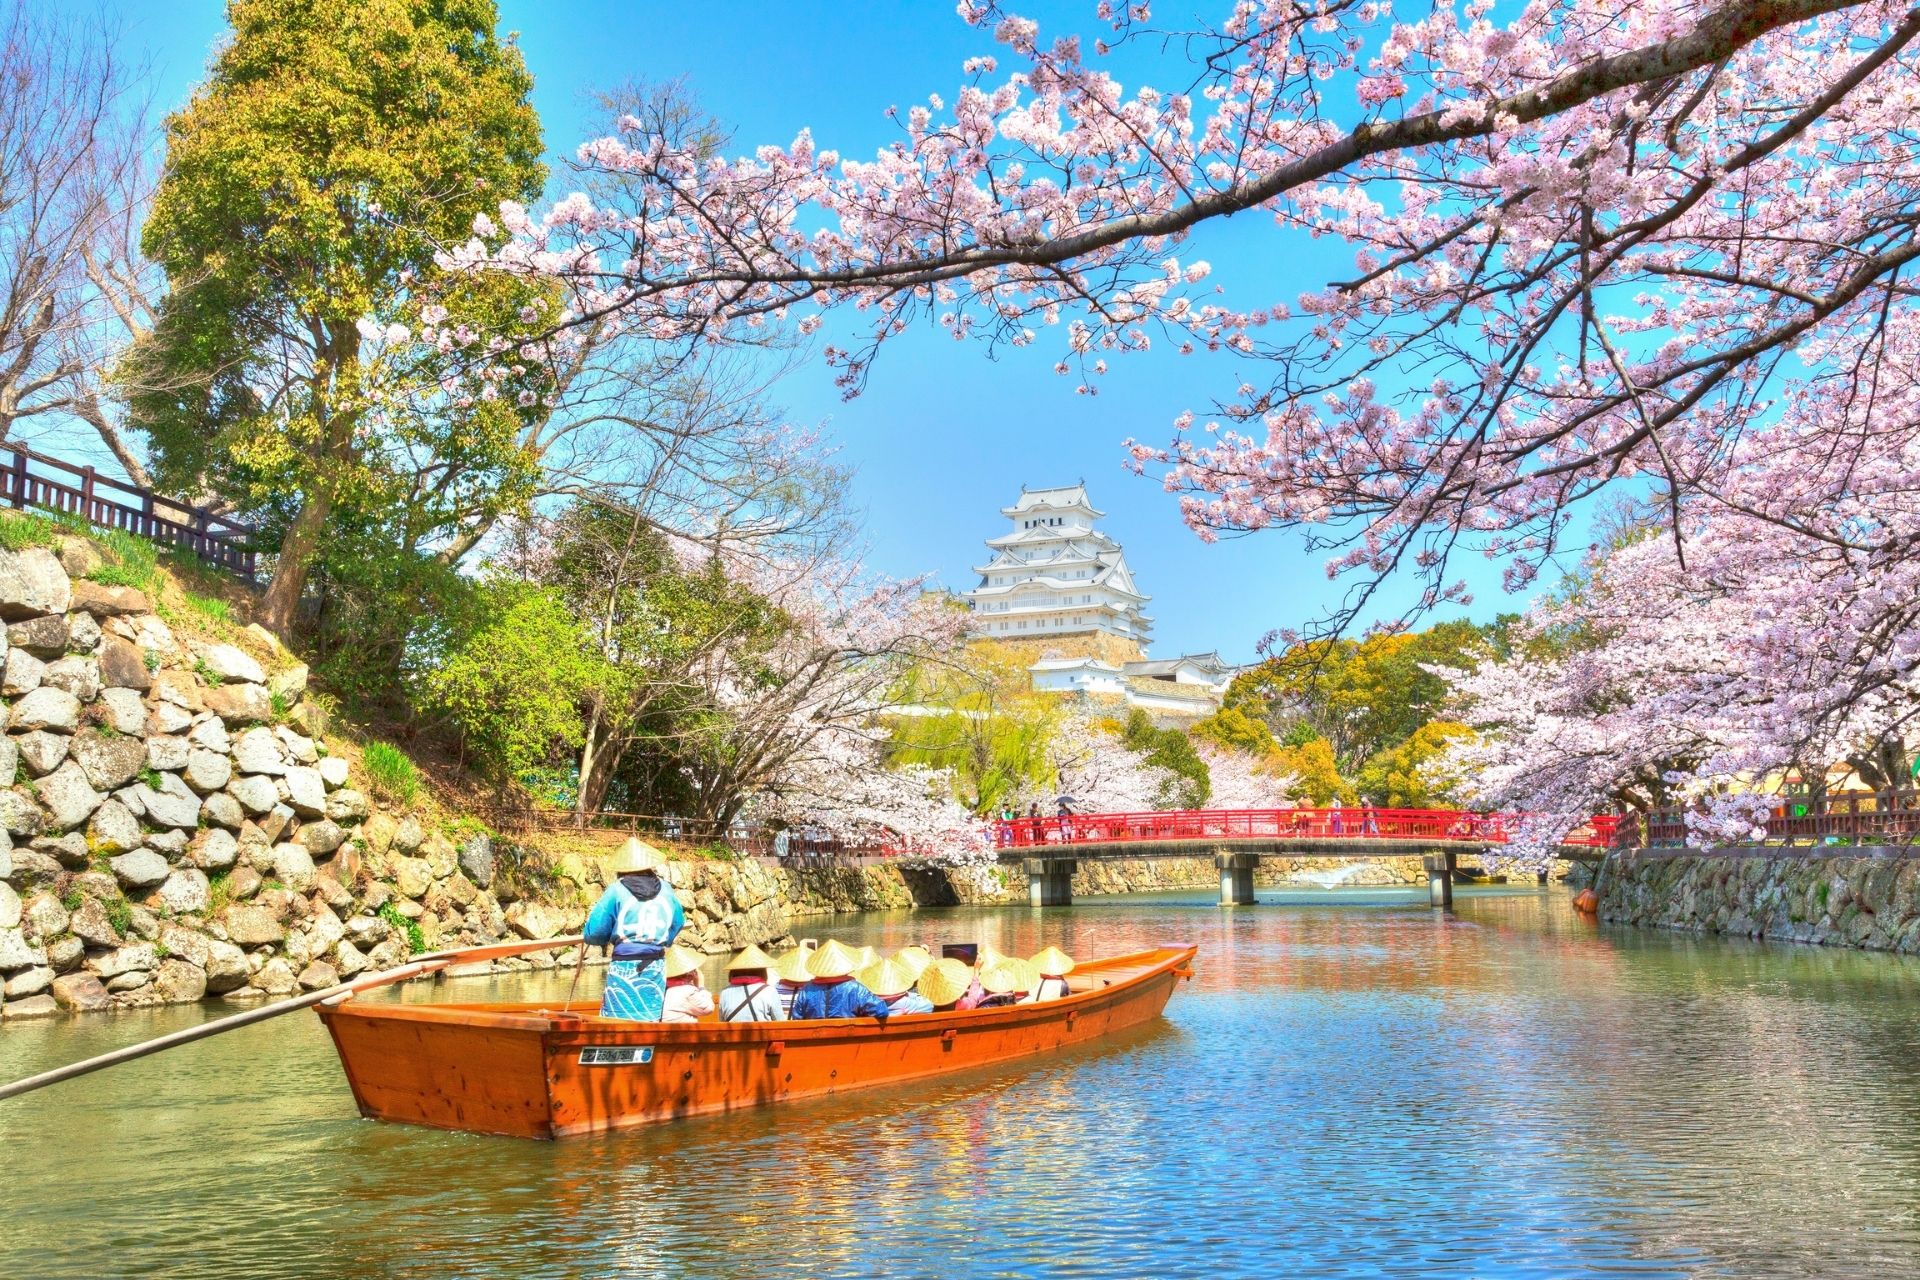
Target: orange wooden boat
[[528, 1071]]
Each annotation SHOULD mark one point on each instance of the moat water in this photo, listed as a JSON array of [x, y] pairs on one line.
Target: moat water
[[1353, 1085]]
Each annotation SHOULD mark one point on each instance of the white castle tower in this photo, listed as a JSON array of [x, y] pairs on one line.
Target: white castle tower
[[1054, 573]]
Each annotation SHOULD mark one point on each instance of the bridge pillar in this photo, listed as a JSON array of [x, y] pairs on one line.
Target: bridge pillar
[[1050, 881], [1440, 868], [1236, 878]]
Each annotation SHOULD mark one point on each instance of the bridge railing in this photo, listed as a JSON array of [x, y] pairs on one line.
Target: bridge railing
[[1850, 817], [1357, 823]]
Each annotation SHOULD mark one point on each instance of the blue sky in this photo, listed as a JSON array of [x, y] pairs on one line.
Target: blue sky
[[943, 436]]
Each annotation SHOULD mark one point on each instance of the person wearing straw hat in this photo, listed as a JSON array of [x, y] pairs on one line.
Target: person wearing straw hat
[[1006, 981], [638, 917], [834, 991], [750, 996], [944, 983], [915, 957], [686, 999], [1053, 965], [892, 981], [790, 975]]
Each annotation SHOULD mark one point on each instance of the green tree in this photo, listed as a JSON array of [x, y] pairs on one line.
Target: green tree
[[335, 145], [1172, 750], [1315, 773], [978, 716], [1235, 729], [1407, 775]]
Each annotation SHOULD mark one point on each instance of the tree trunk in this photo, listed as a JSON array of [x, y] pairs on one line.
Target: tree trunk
[[282, 600]]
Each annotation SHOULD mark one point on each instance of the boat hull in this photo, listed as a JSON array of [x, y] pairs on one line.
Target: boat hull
[[525, 1071]]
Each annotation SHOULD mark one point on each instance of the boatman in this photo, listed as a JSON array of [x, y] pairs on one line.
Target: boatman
[[637, 916]]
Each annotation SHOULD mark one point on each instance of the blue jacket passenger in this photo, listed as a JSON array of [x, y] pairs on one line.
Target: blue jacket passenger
[[843, 999]]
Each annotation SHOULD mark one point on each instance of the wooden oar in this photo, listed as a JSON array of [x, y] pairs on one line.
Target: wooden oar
[[417, 967]]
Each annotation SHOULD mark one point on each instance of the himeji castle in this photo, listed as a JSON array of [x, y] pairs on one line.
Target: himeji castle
[[1055, 585]]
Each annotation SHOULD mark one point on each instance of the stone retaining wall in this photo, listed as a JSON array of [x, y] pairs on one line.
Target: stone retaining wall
[[1854, 899]]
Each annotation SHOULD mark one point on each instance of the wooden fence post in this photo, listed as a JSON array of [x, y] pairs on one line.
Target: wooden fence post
[[86, 496], [19, 476]]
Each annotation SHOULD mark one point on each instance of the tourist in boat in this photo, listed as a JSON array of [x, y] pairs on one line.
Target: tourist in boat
[[916, 958], [945, 983], [750, 995], [686, 999], [639, 917], [790, 974], [893, 983], [1053, 965], [834, 991], [1006, 981]]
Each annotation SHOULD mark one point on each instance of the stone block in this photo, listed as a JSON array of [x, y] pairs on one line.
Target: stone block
[[167, 720], [80, 992], [134, 957], [252, 926], [173, 805], [209, 733], [226, 967], [306, 794], [222, 810], [29, 982], [321, 838], [103, 601], [207, 771], [90, 924], [257, 751], [167, 753], [43, 637], [239, 704], [123, 665], [294, 865], [41, 1006], [347, 806], [139, 870], [32, 582], [113, 829], [178, 982], [110, 761], [23, 673], [333, 772], [44, 917], [83, 633], [123, 710], [69, 798], [213, 849], [255, 794], [45, 708], [40, 751], [78, 675], [185, 892], [232, 665]]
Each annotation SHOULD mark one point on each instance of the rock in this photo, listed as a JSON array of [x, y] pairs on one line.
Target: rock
[[167, 753], [349, 959], [72, 851], [70, 799], [186, 943], [290, 684], [83, 633], [305, 792], [32, 582], [110, 760], [255, 794], [258, 751], [322, 838], [78, 556], [210, 734], [408, 836], [41, 751], [135, 957], [9, 760], [276, 978], [24, 672], [17, 953], [186, 892], [178, 689], [80, 992], [29, 982], [368, 930], [309, 717], [10, 908], [179, 982], [232, 665], [476, 859], [43, 637], [44, 917], [318, 976], [412, 877], [293, 864], [275, 821], [132, 980], [20, 815], [123, 710], [222, 810], [251, 926], [333, 772], [207, 771], [243, 883], [103, 601], [90, 924], [123, 665], [240, 703], [226, 967], [347, 805], [65, 954], [174, 805], [299, 748], [79, 676], [43, 1006], [213, 849], [168, 844], [328, 889], [140, 869], [113, 829], [535, 920], [45, 708], [166, 720]]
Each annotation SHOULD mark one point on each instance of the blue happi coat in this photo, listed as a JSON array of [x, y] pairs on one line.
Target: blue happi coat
[[837, 1000], [639, 916]]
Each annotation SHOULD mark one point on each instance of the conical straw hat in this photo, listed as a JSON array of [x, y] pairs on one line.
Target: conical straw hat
[[751, 958], [945, 981], [1008, 974], [988, 954], [915, 959], [1052, 963], [887, 978], [834, 959], [635, 856], [792, 967], [866, 956], [681, 961]]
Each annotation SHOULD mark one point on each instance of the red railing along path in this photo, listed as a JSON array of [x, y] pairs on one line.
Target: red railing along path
[[1845, 817], [115, 504], [1358, 824]]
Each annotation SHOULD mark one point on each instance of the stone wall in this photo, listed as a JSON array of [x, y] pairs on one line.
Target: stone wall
[[1857, 899]]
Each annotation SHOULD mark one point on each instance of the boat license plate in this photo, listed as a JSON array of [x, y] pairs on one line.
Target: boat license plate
[[616, 1055]]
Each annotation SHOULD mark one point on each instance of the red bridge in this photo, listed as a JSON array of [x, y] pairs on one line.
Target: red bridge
[[1238, 838]]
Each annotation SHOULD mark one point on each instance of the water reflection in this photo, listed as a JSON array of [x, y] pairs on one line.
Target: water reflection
[[1353, 1085]]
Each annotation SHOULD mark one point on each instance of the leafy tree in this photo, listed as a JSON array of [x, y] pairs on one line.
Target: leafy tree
[[335, 146], [1316, 775], [988, 728], [1410, 774], [1170, 749], [1234, 728]]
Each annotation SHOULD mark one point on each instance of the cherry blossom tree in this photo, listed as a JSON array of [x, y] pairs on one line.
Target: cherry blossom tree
[[1099, 771], [1242, 780]]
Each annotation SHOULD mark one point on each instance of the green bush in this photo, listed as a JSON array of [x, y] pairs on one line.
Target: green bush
[[120, 915], [416, 940], [392, 776]]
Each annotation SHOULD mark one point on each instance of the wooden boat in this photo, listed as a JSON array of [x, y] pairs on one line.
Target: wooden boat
[[528, 1071]]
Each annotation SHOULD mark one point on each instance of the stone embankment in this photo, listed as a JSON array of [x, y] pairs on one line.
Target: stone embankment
[[1867, 899]]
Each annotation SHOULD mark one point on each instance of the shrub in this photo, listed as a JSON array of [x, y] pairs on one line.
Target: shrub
[[392, 776], [120, 915], [416, 940]]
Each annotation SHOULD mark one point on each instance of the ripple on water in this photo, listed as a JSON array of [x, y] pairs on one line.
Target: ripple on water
[[1345, 1090]]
